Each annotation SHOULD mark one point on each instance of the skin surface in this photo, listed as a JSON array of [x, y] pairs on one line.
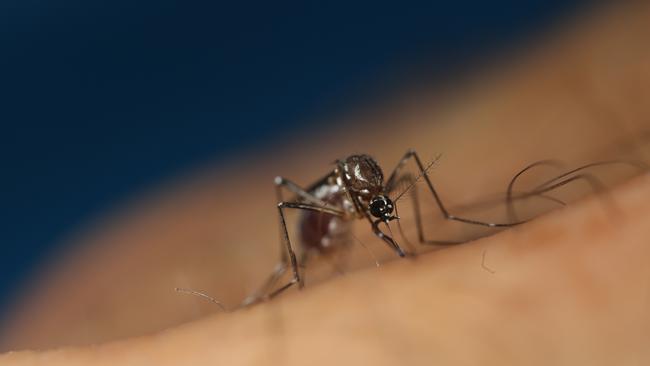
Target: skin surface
[[568, 288]]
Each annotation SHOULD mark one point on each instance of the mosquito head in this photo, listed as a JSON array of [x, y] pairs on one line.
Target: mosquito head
[[382, 207]]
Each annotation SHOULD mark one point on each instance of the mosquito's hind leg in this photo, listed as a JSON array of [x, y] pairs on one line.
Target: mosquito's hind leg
[[509, 192], [288, 259], [561, 180]]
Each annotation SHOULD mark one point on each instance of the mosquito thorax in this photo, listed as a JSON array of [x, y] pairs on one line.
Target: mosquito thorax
[[362, 175]]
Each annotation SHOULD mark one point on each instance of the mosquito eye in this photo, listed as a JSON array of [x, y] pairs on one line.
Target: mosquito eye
[[377, 208], [381, 206]]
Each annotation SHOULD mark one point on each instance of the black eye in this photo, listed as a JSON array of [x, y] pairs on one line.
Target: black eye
[[381, 206]]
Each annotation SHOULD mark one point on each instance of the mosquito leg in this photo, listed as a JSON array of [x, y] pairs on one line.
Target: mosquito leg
[[512, 195], [411, 154], [418, 224], [595, 183], [258, 295], [386, 238], [303, 260], [420, 230], [509, 199], [395, 178], [553, 163], [287, 242], [299, 192], [302, 263], [281, 267], [289, 258], [546, 187], [401, 231], [395, 181]]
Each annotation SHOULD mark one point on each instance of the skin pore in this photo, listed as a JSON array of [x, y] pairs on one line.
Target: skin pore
[[570, 287]]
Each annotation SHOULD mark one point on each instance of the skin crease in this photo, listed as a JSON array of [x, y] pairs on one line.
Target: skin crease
[[568, 288]]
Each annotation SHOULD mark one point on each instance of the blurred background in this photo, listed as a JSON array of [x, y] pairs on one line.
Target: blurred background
[[102, 101]]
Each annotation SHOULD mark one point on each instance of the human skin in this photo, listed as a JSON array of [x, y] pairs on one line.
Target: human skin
[[569, 287]]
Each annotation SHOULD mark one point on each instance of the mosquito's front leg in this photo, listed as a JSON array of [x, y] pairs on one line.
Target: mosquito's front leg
[[410, 180], [396, 177], [411, 154]]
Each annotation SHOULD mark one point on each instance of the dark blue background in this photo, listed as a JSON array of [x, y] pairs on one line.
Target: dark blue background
[[101, 100]]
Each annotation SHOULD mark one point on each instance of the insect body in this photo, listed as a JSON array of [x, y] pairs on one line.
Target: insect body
[[354, 189]]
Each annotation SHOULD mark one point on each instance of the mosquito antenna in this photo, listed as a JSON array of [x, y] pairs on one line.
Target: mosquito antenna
[[200, 294], [374, 257], [425, 171]]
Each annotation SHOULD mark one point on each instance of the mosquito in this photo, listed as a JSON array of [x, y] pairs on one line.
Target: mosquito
[[355, 189]]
